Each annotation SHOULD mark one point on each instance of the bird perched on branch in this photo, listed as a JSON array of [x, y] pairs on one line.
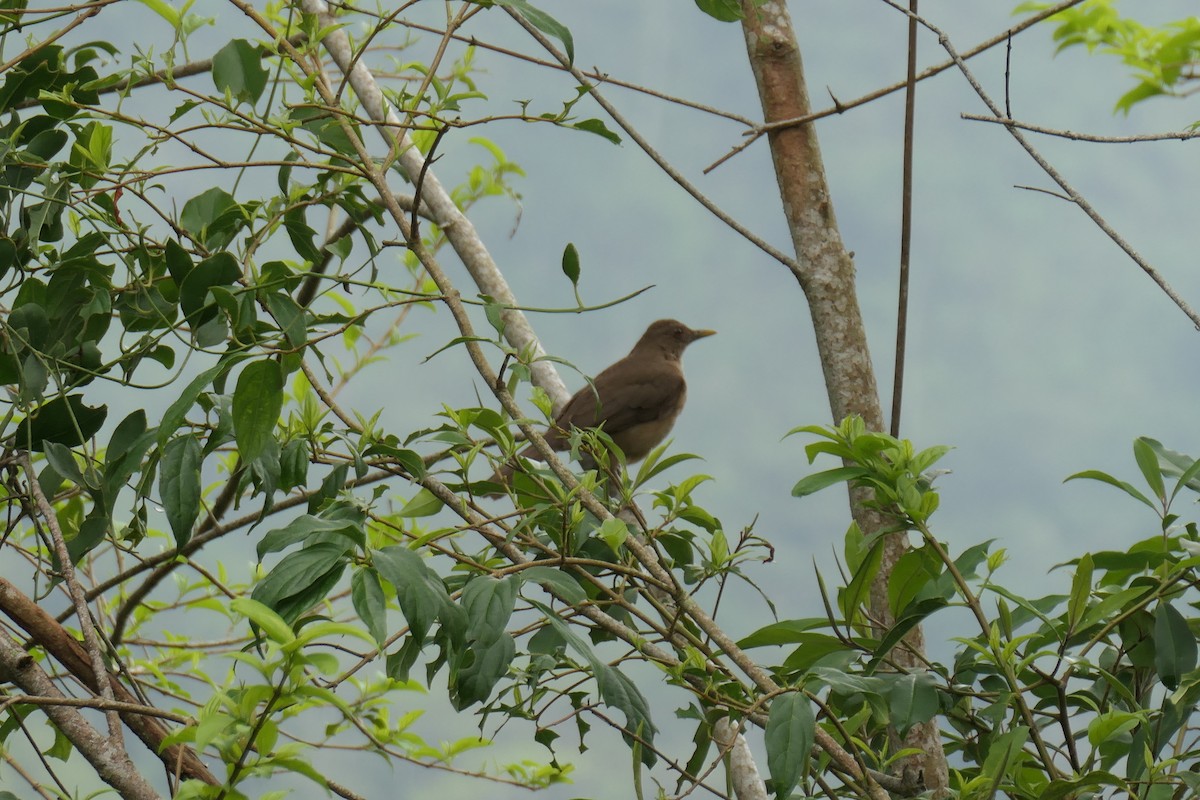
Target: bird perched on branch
[[635, 401]]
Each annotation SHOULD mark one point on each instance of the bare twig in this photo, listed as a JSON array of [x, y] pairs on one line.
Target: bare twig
[[1076, 198], [649, 149], [1009, 122], [840, 107], [91, 640], [109, 759]]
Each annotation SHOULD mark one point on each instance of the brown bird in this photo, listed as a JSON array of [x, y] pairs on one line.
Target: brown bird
[[635, 401]]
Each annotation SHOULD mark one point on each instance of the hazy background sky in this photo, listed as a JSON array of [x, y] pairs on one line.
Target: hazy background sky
[[1036, 348]]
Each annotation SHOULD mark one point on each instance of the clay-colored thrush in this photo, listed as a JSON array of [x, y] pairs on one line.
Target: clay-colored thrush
[[635, 401]]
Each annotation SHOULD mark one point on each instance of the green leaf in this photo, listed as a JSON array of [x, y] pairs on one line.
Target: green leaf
[[92, 531], [613, 532], [306, 526], [176, 412], [913, 699], [489, 604], [178, 260], [813, 648], [220, 270], [63, 460], [616, 690], [597, 127], [213, 216], [1081, 591], [267, 620], [420, 593], [425, 504], [63, 420], [864, 558], [821, 480], [723, 10], [1004, 749], [487, 663], [409, 460], [257, 402], [556, 581], [1147, 462], [789, 739], [1174, 645], [179, 485], [1111, 725], [544, 23], [237, 68], [785, 632], [366, 594], [909, 618], [1085, 786], [301, 579], [1104, 477], [570, 263]]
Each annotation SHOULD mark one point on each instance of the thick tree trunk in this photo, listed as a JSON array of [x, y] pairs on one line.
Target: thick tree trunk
[[825, 272]]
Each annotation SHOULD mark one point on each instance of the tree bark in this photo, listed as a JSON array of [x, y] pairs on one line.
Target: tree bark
[[825, 272]]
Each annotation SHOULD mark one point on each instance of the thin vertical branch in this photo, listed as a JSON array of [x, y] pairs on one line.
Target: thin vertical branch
[[910, 113]]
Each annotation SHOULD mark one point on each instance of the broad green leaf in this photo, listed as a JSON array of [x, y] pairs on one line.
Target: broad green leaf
[[489, 603], [257, 402], [818, 481], [1003, 751], [221, 270], [420, 593], [366, 594], [214, 217], [913, 700], [570, 263], [178, 409], [1081, 591], [789, 739], [63, 460], [178, 260], [307, 525], [237, 68], [179, 485], [301, 579], [556, 581], [1147, 462], [723, 10], [126, 434], [410, 460], [1174, 645], [267, 620], [864, 558], [1111, 724], [813, 647], [784, 632], [1085, 786], [613, 532], [92, 531], [1104, 477], [910, 617], [424, 504], [597, 127], [489, 661], [544, 23], [63, 420]]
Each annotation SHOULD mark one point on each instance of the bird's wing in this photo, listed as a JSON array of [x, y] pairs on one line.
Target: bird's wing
[[624, 398]]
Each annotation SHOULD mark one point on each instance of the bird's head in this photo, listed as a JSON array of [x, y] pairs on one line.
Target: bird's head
[[669, 336]]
